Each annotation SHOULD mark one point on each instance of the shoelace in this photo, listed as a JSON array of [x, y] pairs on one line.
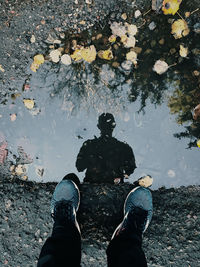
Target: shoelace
[[63, 210]]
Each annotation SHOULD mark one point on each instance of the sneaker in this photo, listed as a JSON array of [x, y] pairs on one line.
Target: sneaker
[[138, 210], [65, 201]]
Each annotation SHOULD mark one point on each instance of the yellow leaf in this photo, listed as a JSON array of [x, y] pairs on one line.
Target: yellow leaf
[[29, 103], [112, 39], [89, 53], [106, 54], [180, 29], [34, 67], [170, 7], [76, 56], [198, 143], [132, 56], [183, 51], [2, 69], [38, 59]]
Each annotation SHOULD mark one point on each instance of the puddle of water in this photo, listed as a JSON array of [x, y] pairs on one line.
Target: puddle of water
[[69, 99]]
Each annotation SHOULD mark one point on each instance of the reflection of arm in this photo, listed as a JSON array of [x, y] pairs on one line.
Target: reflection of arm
[[129, 160], [81, 161]]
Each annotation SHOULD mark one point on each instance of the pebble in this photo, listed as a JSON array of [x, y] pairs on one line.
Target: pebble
[[152, 26]]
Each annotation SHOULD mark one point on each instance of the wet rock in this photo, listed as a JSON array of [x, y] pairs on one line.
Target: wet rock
[[152, 26]]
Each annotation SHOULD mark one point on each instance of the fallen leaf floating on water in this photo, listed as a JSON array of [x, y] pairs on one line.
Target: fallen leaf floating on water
[[183, 51], [66, 59], [29, 103], [198, 143], [105, 54], [132, 56], [160, 67], [55, 55], [180, 29], [2, 69], [170, 7], [89, 53]]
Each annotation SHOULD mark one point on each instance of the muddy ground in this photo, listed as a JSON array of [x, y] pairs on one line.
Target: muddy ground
[[171, 240]]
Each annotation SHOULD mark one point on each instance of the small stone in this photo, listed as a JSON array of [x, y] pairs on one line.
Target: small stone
[[89, 2], [124, 16], [172, 51], [137, 14], [196, 73], [43, 22], [33, 39], [127, 65], [152, 26], [162, 41], [82, 22], [115, 64]]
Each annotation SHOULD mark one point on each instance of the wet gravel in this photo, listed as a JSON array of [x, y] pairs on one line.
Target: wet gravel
[[171, 240]]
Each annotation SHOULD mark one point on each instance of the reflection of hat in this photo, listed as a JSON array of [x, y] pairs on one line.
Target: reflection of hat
[[106, 122]]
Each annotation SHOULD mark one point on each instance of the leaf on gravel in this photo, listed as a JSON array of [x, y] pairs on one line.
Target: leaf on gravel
[[132, 56], [55, 55], [13, 117], [34, 67], [160, 67], [2, 69], [89, 53], [146, 181], [105, 54], [183, 51], [170, 7], [3, 151], [29, 103], [198, 143], [180, 29], [66, 59]]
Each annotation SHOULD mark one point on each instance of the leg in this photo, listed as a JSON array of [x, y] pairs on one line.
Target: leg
[[63, 248], [125, 248]]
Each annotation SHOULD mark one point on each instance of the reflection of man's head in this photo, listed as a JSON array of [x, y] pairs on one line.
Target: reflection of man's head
[[106, 124]]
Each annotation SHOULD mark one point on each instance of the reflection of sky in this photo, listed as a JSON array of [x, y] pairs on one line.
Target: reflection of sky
[[54, 136]]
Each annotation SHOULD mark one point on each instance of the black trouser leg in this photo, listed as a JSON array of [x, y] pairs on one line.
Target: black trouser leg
[[62, 249], [126, 251]]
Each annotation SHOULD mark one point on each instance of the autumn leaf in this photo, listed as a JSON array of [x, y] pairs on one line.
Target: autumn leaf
[[183, 51], [89, 53], [105, 54], [170, 7], [38, 59], [76, 56], [112, 39], [34, 67], [29, 103], [160, 67], [198, 143], [132, 56], [180, 29]]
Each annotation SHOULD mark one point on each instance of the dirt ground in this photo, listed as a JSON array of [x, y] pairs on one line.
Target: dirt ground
[[172, 238]]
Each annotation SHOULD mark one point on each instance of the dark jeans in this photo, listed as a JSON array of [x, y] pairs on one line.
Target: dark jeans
[[63, 249]]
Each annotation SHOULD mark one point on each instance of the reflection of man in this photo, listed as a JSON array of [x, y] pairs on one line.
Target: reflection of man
[[105, 158]]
